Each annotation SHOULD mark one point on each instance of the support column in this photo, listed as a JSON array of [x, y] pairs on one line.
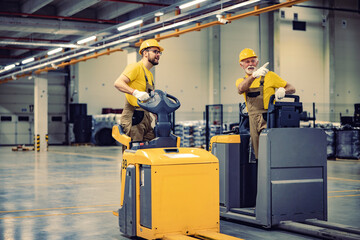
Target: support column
[[276, 43], [41, 112], [214, 65], [330, 40]]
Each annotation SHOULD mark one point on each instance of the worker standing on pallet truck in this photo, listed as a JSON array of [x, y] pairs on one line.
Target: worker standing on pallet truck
[[136, 81], [257, 86]]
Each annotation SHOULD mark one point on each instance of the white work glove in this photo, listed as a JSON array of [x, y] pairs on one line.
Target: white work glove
[[142, 96], [280, 93], [261, 71]]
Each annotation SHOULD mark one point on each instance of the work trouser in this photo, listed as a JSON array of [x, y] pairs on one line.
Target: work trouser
[[257, 124], [141, 131]]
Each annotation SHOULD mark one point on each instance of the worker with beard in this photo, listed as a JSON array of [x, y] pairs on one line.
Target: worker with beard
[[257, 86], [136, 81]]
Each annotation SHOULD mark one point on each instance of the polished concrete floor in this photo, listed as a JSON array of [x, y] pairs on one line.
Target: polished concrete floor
[[70, 193]]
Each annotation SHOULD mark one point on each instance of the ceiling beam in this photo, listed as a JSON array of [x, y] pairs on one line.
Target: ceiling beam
[[32, 6], [49, 26], [69, 8], [111, 11]]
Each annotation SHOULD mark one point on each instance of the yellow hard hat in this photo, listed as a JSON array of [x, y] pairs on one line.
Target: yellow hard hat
[[150, 43], [246, 53]]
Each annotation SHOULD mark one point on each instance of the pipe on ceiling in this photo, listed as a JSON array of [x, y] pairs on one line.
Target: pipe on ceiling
[[58, 17], [198, 27], [34, 39], [140, 3]]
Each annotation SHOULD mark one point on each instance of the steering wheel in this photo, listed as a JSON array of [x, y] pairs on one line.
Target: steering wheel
[[160, 103]]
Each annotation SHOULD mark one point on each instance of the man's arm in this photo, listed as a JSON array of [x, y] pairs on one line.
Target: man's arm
[[289, 89], [121, 84], [245, 84]]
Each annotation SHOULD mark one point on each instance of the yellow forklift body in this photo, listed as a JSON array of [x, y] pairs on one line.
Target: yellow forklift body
[[184, 190], [224, 139]]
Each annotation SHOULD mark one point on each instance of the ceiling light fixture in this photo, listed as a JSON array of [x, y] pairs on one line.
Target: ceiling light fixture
[[85, 40], [176, 25], [56, 50], [242, 4], [28, 60], [189, 4], [126, 26], [8, 67], [158, 14]]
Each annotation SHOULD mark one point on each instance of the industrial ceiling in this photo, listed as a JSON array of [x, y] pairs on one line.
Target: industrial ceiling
[[46, 34]]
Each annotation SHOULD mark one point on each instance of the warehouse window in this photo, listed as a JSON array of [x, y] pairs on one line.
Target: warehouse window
[[6, 118], [23, 118]]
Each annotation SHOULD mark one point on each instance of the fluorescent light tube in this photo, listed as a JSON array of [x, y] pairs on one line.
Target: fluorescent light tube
[[8, 67], [242, 4], [159, 14], [138, 22], [85, 40], [175, 25], [56, 50], [189, 4], [28, 60]]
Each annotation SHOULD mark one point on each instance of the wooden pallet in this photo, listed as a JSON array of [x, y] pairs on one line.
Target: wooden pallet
[[82, 144], [22, 148]]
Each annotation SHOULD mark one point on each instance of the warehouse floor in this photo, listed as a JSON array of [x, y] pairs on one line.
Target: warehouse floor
[[70, 193]]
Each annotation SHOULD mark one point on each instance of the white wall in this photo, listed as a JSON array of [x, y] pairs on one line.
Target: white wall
[[346, 59], [17, 96], [183, 72], [96, 82], [236, 36], [303, 59]]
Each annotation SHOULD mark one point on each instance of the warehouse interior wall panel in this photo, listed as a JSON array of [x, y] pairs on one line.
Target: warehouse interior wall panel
[[236, 36], [346, 56], [96, 82], [302, 55], [17, 100], [183, 71]]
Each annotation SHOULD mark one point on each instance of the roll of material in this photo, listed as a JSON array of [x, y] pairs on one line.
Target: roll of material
[[348, 144], [331, 146]]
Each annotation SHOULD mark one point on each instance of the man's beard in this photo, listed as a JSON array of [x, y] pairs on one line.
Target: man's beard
[[153, 61], [250, 69]]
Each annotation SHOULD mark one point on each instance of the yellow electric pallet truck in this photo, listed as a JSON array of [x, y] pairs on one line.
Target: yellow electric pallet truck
[[167, 192]]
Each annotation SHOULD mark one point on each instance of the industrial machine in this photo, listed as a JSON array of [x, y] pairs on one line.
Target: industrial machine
[[167, 192], [287, 183]]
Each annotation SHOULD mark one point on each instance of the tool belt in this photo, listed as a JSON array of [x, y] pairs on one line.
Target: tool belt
[[253, 94], [137, 117]]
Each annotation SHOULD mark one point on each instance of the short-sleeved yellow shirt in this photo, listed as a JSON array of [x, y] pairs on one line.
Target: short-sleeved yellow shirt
[[136, 73], [271, 81]]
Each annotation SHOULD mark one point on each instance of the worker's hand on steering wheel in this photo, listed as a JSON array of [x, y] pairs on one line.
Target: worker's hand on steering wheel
[[280, 93], [261, 71], [142, 96]]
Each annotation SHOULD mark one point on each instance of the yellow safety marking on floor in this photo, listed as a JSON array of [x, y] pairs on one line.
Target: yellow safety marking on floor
[[355, 195], [344, 179], [63, 183], [31, 173], [344, 191], [49, 163], [59, 208], [86, 155], [57, 214], [345, 161]]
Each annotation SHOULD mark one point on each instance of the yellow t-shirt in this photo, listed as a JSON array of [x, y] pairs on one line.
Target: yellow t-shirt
[[271, 81], [135, 72]]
